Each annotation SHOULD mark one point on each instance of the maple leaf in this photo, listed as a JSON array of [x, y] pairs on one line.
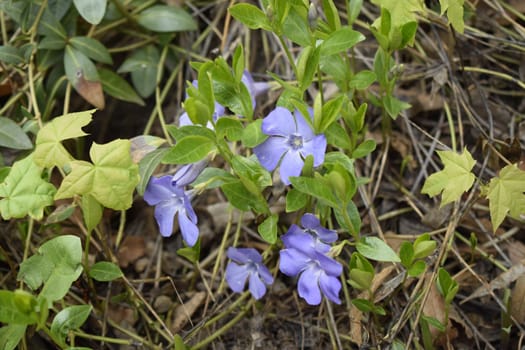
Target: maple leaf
[[454, 9], [49, 151], [403, 11], [455, 178], [506, 194]]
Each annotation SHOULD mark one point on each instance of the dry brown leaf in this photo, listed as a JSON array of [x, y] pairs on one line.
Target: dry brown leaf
[[184, 312], [434, 306], [515, 251], [91, 91], [132, 248], [356, 329], [517, 309], [502, 281]]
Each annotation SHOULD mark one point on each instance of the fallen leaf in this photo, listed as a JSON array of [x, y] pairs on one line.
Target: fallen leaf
[[91, 91], [502, 281], [132, 248], [184, 311], [517, 308]]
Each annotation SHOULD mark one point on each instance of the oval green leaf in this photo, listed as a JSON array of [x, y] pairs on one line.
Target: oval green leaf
[[91, 10], [114, 85], [190, 149], [12, 136], [163, 18], [105, 271], [376, 249]]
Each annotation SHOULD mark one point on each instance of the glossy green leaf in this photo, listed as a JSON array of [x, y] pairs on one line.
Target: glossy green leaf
[[52, 42], [454, 10], [190, 149], [10, 54], [12, 136], [251, 16], [142, 64], [362, 80], [92, 48], [402, 12], [268, 229], [394, 106], [78, 66], [24, 191], [340, 41], [11, 335], [295, 200], [213, 178], [336, 135], [163, 18], [56, 265], [191, 253], [147, 166], [49, 151], [70, 318], [91, 10], [231, 128], [316, 188], [376, 249], [252, 134], [110, 179], [114, 85], [241, 198], [364, 149], [105, 271], [251, 169], [296, 28]]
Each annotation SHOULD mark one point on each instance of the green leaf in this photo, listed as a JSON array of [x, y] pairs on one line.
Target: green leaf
[[251, 16], [165, 19], [296, 28], [92, 48], [336, 135], [241, 198], [57, 265], [12, 136], [447, 286], [17, 307], [105, 271], [402, 12], [268, 229], [330, 111], [142, 64], [362, 80], [252, 134], [49, 151], [229, 127], [332, 14], [376, 249], [11, 335], [364, 149], [24, 191], [52, 42], [189, 149], [454, 9], [457, 167], [11, 55], [394, 106], [340, 41], [91, 10], [417, 268], [70, 318], [147, 166], [191, 253], [365, 305], [61, 213], [506, 194], [354, 8], [251, 169], [91, 211], [316, 188], [111, 178], [406, 254], [117, 87], [213, 178], [78, 66], [295, 200]]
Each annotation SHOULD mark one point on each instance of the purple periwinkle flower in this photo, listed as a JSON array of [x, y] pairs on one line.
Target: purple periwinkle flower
[[311, 226], [318, 273], [170, 200], [291, 141], [247, 264], [188, 173]]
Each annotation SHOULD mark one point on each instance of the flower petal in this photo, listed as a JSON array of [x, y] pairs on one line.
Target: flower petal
[[264, 274], [188, 229], [279, 122], [164, 214], [308, 286], [291, 165], [300, 241], [292, 262], [244, 255], [329, 265], [236, 276], [188, 173], [310, 221], [257, 287], [330, 286], [270, 151], [316, 147], [303, 128], [158, 190]]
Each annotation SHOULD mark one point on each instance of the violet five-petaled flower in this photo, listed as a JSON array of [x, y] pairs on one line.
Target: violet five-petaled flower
[[311, 226], [170, 200], [291, 139], [318, 273], [247, 264]]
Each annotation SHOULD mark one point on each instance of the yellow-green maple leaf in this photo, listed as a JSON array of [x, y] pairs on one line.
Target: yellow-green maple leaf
[[402, 11], [110, 179], [506, 194], [454, 9], [49, 151], [455, 178]]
